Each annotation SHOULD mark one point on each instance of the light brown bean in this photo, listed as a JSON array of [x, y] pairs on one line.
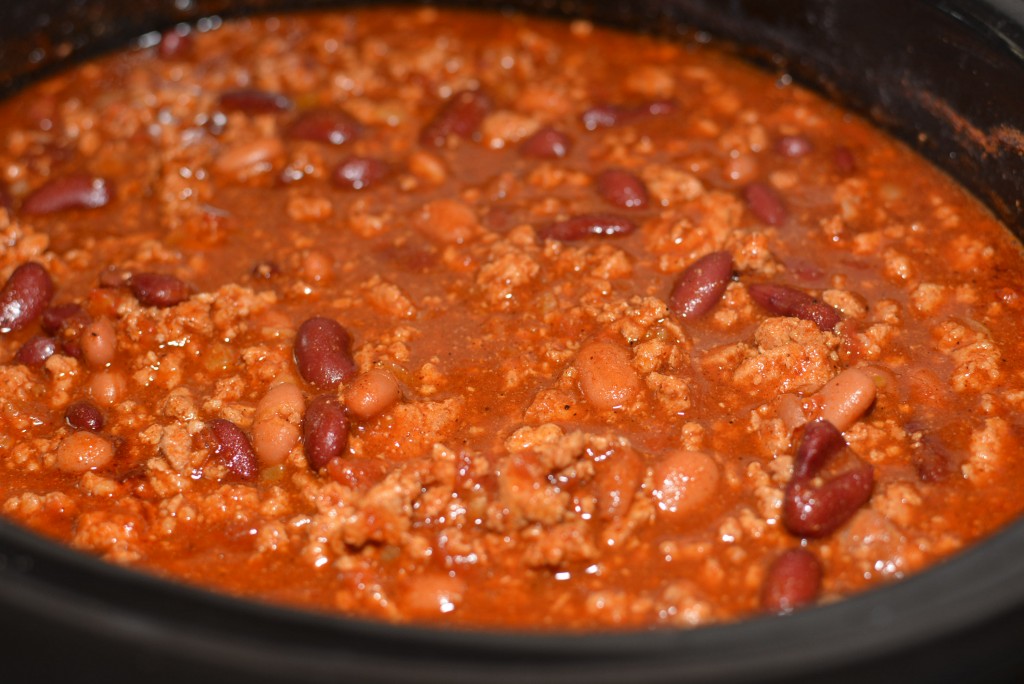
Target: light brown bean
[[249, 159], [277, 423], [372, 393], [607, 378], [447, 221], [108, 387], [683, 482], [846, 397], [99, 342], [82, 451]]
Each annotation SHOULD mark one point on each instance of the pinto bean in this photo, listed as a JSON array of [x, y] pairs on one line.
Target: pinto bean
[[323, 353], [324, 431], [460, 116], [108, 387], [447, 221], [814, 511], [328, 126], [793, 580], [78, 191], [788, 301], [24, 296], [683, 482], [251, 101], [248, 159], [84, 415], [846, 397], [617, 479], [99, 342], [701, 285], [357, 173], [606, 375], [764, 203], [158, 289], [547, 143], [275, 427], [232, 446], [372, 393], [622, 189], [83, 451], [587, 225], [36, 350]]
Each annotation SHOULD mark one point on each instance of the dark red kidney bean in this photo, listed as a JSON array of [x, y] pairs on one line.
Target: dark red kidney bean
[[36, 350], [932, 460], [24, 296], [356, 173], [809, 511], [77, 191], [843, 160], [788, 301], [765, 203], [174, 45], [251, 101], [328, 126], [158, 289], [460, 115], [547, 143], [323, 353], [658, 108], [5, 198], [54, 319], [324, 431], [232, 446], [701, 285], [588, 225], [793, 580], [358, 473], [622, 189], [84, 415], [820, 441], [794, 146]]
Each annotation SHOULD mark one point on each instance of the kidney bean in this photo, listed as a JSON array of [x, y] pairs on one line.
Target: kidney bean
[[787, 301], [608, 115], [77, 191], [932, 460], [36, 350], [6, 203], [323, 353], [251, 101], [84, 415], [328, 126], [622, 189], [793, 580], [232, 447], [372, 393], [158, 289], [358, 473], [547, 143], [55, 319], [587, 225], [24, 296], [843, 160], [275, 427], [846, 397], [701, 285], [606, 375], [814, 511], [460, 115], [765, 203], [684, 481], [794, 146], [356, 173], [99, 342], [83, 451], [324, 431], [657, 108]]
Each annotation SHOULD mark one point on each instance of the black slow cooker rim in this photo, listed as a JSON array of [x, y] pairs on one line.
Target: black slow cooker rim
[[970, 589]]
